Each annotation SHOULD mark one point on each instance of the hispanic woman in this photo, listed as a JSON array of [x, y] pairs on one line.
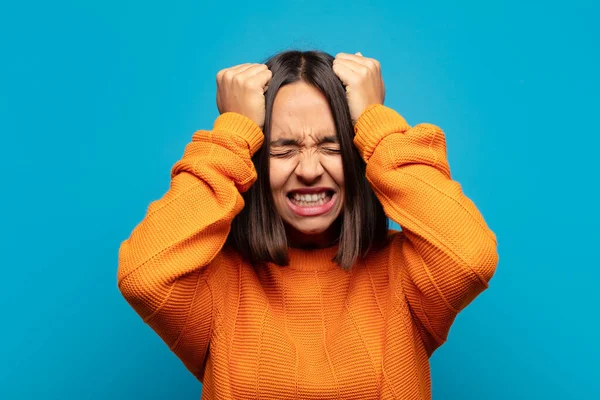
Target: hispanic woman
[[268, 266]]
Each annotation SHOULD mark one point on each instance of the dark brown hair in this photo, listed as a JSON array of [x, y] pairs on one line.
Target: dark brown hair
[[258, 232]]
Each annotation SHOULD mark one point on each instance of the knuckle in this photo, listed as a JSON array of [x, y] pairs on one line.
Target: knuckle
[[228, 74], [238, 79]]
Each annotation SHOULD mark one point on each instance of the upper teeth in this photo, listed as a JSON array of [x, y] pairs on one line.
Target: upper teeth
[[309, 197]]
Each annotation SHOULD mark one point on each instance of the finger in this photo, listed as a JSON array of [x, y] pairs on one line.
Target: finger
[[233, 71], [261, 79], [244, 76], [222, 71], [257, 77], [346, 75], [240, 70], [354, 66], [241, 67], [340, 55], [347, 56], [367, 62], [252, 70]]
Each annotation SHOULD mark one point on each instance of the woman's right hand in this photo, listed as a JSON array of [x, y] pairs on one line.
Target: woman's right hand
[[241, 89]]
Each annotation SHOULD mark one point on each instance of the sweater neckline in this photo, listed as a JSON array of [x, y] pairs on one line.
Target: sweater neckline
[[315, 259]]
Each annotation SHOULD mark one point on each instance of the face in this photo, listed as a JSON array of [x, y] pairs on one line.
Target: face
[[307, 178]]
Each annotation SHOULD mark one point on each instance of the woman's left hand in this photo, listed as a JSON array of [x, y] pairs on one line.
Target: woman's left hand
[[363, 81]]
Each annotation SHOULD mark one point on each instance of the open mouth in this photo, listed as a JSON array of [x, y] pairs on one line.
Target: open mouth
[[310, 199]]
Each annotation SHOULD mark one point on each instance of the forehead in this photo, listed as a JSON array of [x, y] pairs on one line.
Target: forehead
[[301, 111]]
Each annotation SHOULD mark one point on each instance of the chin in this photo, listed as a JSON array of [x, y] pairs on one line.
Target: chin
[[308, 228], [312, 231]]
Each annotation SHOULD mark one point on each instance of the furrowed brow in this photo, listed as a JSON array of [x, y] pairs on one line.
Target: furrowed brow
[[329, 139], [284, 142], [294, 142]]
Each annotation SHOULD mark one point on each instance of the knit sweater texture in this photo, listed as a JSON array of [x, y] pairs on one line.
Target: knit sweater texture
[[309, 330]]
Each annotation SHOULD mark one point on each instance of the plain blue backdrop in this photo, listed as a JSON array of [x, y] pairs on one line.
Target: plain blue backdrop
[[98, 100]]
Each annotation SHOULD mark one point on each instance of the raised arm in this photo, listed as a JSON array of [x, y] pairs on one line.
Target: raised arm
[[165, 265], [446, 254], [169, 266]]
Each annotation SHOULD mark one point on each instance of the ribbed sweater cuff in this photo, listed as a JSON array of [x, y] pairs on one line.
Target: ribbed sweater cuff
[[376, 122], [243, 126]]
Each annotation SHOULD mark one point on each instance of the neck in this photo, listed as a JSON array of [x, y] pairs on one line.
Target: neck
[[318, 240]]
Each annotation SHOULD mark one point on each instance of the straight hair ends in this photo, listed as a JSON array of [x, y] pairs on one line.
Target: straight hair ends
[[258, 232]]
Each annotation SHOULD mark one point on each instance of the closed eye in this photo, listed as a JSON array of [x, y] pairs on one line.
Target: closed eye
[[281, 154], [289, 153]]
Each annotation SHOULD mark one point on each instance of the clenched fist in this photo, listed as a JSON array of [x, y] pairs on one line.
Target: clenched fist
[[241, 89], [363, 81]]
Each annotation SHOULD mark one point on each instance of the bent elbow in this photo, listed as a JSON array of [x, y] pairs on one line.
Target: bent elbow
[[485, 261]]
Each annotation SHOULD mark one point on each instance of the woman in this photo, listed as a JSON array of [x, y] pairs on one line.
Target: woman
[[287, 283]]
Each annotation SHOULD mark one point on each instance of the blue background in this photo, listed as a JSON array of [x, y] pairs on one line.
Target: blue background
[[98, 100]]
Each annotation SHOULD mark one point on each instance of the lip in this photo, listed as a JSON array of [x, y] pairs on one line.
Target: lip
[[312, 211]]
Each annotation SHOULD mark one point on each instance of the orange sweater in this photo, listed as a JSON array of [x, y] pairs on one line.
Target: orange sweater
[[309, 330]]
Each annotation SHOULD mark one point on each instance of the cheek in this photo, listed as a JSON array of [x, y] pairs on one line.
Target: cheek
[[335, 169], [278, 175]]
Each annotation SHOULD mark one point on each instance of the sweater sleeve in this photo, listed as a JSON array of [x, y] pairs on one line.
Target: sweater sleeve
[[166, 264], [445, 255]]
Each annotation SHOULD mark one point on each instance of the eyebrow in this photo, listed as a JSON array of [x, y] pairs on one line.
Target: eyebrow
[[295, 142]]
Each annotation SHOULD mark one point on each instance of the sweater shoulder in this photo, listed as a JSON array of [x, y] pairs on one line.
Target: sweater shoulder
[[223, 268], [380, 255]]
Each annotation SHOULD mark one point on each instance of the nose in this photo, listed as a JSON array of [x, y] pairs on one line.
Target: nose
[[309, 168]]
